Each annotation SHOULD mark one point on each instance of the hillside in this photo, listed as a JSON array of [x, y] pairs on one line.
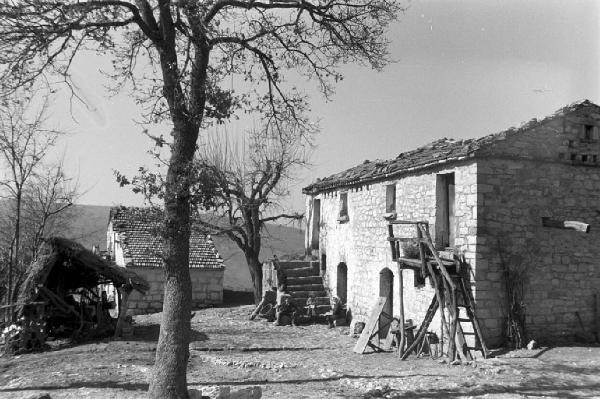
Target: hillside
[[88, 226]]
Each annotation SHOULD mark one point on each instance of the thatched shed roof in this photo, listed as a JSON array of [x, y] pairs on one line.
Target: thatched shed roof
[[63, 264]]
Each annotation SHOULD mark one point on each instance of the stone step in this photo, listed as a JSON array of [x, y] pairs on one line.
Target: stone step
[[305, 287], [305, 294], [319, 300], [301, 303], [320, 309], [296, 264], [301, 272], [301, 280]]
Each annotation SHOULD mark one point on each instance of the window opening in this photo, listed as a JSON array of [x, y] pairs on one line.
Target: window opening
[[390, 198]]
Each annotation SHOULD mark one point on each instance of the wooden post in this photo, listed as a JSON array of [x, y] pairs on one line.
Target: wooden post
[[126, 290], [401, 305], [453, 352]]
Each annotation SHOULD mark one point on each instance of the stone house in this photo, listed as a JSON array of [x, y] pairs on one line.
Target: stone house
[[133, 242], [484, 200]]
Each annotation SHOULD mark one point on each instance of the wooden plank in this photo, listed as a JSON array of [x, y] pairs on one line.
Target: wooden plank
[[406, 222], [368, 331], [402, 239], [566, 224]]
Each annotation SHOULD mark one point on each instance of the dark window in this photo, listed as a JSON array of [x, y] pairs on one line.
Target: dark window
[[573, 157], [316, 224], [584, 158], [390, 198], [445, 220], [343, 207], [588, 132]]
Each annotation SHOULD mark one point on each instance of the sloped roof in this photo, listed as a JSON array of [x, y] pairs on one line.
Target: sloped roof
[[139, 236], [65, 263], [440, 151]]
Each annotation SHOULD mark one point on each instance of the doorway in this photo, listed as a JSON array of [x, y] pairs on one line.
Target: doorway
[[342, 282]]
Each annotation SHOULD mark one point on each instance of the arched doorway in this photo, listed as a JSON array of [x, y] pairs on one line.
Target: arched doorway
[[342, 282], [386, 289]]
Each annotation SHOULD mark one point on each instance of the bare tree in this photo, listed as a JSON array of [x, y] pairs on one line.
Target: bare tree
[[47, 197], [247, 181], [175, 55], [24, 142]]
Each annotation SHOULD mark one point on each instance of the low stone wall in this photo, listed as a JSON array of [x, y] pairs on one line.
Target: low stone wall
[[207, 288]]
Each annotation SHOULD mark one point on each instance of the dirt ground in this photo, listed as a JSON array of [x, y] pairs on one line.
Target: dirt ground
[[293, 362]]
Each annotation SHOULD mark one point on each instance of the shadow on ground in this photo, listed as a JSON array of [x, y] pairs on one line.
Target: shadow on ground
[[150, 332]]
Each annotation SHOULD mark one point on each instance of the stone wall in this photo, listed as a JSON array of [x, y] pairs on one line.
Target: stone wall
[[361, 243], [207, 288], [549, 169], [535, 176]]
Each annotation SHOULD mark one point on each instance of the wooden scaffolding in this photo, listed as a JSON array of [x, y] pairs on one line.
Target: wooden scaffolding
[[452, 292]]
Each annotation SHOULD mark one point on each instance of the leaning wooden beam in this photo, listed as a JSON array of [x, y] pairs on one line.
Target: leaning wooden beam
[[57, 301], [424, 326], [401, 306], [566, 224], [440, 264]]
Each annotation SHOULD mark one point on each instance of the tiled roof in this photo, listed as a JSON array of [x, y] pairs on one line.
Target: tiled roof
[[437, 152], [138, 230]]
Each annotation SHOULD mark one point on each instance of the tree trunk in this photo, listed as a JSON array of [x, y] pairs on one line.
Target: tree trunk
[[169, 378], [13, 262], [257, 278]]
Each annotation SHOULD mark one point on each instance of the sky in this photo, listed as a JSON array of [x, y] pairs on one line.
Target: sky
[[461, 69]]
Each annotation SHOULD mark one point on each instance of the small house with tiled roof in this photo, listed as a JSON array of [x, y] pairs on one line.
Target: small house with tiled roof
[[133, 241], [494, 202]]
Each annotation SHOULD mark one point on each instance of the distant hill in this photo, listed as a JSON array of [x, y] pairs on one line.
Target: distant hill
[[88, 227]]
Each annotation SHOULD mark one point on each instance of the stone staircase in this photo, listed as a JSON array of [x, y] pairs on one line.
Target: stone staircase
[[304, 280]]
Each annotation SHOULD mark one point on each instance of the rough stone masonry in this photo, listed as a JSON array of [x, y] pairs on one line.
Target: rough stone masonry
[[484, 199]]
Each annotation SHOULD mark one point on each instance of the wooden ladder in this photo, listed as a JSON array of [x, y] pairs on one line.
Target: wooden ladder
[[449, 289], [471, 321]]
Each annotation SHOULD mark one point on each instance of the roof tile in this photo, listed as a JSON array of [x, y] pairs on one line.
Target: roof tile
[[138, 230], [439, 151]]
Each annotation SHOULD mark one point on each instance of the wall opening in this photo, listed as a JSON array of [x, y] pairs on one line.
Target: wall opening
[[590, 133], [316, 224], [390, 198], [445, 221], [343, 215], [386, 289], [342, 282]]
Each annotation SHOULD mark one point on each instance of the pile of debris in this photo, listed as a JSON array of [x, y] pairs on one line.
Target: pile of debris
[[64, 295]]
